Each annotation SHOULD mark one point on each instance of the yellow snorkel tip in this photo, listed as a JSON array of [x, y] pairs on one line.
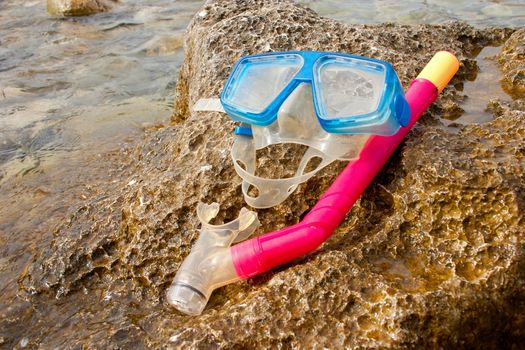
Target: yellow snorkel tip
[[440, 69]]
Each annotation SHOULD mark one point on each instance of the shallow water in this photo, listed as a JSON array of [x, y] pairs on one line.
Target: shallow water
[[74, 93], [82, 83], [480, 90], [479, 13]]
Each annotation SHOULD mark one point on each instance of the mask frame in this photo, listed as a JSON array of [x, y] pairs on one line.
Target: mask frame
[[391, 111]]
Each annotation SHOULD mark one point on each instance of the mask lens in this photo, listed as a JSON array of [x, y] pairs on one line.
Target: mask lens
[[257, 81], [349, 87]]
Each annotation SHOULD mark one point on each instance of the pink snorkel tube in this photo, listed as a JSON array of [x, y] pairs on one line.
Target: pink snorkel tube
[[213, 263]]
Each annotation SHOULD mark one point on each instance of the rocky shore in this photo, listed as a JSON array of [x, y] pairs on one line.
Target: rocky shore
[[431, 256]]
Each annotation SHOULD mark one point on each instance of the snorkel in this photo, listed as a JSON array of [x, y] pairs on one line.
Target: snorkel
[[212, 262]]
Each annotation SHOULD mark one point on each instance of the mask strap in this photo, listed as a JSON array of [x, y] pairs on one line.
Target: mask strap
[[271, 191], [208, 105]]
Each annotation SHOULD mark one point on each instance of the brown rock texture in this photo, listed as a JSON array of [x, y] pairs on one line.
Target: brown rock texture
[[431, 256], [512, 62], [78, 7]]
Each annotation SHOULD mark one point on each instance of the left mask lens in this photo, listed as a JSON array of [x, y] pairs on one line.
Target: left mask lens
[[257, 81]]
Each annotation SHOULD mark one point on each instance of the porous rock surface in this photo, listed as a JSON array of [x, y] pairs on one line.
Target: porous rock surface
[[512, 62], [78, 7], [432, 255]]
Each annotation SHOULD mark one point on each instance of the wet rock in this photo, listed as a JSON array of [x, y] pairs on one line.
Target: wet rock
[[432, 255], [512, 62], [78, 7]]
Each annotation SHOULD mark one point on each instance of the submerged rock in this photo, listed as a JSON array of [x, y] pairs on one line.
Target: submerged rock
[[78, 7], [432, 255]]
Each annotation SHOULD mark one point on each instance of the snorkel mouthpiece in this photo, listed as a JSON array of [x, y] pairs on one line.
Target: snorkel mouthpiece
[[206, 268], [209, 264], [186, 299]]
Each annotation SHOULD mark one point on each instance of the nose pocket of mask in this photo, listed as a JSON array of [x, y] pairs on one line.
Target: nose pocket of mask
[[296, 117]]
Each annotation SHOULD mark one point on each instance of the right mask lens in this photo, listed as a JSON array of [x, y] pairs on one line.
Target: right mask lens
[[257, 81], [349, 87]]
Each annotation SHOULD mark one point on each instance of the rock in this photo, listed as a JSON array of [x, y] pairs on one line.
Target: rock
[[431, 256], [512, 62], [78, 7]]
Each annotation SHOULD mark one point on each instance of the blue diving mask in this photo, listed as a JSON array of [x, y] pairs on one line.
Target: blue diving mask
[[328, 101]]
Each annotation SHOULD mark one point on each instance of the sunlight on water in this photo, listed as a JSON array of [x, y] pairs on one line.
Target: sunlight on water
[[83, 83]]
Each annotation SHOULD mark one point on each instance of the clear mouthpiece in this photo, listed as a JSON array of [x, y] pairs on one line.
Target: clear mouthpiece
[[209, 264], [186, 299]]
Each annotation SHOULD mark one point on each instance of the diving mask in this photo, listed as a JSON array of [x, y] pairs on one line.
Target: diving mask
[[330, 102]]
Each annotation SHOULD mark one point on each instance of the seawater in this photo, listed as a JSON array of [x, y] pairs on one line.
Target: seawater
[[479, 13]]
